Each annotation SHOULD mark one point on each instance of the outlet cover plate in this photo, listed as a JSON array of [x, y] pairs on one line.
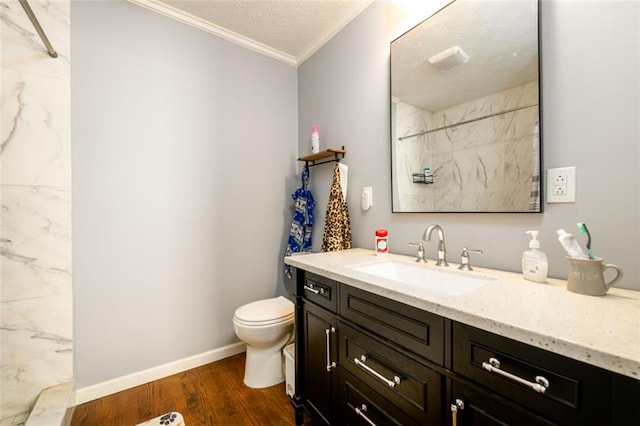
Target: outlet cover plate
[[561, 185]]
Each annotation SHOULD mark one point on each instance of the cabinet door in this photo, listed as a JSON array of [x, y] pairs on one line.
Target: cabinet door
[[320, 349], [470, 406]]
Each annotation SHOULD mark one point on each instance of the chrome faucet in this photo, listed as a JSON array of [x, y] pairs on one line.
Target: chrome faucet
[[420, 258], [464, 262], [442, 250]]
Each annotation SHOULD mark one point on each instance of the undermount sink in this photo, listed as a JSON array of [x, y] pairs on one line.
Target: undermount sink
[[447, 281]]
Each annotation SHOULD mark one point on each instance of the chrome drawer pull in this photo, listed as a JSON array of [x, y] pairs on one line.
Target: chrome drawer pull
[[330, 364], [459, 405], [539, 386], [361, 362], [313, 290], [361, 411]]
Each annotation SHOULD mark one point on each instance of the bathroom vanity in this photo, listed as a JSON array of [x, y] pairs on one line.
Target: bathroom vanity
[[372, 347]]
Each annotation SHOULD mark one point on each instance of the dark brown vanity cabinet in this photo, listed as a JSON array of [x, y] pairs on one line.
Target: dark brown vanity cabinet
[[363, 359], [355, 367], [393, 350], [406, 384], [474, 406], [320, 348], [522, 384], [319, 337], [411, 328], [360, 405]]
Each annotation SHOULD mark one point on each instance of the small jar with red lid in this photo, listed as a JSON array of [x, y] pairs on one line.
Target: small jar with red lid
[[381, 246]]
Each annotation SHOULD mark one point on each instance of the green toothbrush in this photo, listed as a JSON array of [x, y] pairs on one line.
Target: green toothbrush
[[583, 228]]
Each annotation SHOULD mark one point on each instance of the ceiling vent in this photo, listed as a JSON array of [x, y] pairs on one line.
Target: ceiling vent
[[449, 58]]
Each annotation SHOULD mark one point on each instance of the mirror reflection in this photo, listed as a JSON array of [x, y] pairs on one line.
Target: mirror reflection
[[465, 110]]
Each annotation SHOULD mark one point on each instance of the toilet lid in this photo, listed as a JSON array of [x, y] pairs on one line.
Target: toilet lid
[[266, 311]]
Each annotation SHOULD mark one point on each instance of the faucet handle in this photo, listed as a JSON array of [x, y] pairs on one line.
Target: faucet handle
[[420, 258], [464, 263]]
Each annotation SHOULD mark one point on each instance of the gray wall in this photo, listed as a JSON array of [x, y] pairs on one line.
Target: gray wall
[[591, 120], [183, 161], [184, 149]]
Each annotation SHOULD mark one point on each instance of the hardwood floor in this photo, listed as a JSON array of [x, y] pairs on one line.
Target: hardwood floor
[[209, 395]]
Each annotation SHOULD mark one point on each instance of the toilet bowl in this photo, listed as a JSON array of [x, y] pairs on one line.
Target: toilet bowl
[[265, 326]]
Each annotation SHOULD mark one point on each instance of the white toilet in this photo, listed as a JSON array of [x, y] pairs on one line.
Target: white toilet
[[265, 326]]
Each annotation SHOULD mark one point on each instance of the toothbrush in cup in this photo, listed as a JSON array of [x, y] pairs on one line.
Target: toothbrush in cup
[[583, 228]]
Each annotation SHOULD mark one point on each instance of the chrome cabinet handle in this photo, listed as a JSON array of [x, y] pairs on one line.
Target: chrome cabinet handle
[[313, 290], [330, 365], [541, 383], [459, 405], [361, 412], [361, 362]]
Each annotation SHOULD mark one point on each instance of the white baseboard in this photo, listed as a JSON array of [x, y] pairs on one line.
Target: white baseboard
[[118, 384]]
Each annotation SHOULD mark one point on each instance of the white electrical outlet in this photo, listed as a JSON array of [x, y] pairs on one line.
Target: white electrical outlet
[[561, 185]]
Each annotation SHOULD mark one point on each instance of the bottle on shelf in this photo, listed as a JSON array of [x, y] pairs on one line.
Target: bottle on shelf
[[315, 139]]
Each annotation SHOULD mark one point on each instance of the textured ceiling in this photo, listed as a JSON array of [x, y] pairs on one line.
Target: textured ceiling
[[500, 37], [502, 50], [295, 28]]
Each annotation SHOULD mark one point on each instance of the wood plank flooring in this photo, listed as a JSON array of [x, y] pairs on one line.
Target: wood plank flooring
[[209, 395]]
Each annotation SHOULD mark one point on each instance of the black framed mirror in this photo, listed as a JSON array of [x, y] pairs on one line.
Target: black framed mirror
[[465, 110]]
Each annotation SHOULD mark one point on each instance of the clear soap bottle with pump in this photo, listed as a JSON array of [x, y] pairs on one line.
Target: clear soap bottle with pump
[[534, 261]]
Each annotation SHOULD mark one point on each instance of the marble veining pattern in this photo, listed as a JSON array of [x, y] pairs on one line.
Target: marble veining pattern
[[35, 148], [602, 331], [409, 157], [479, 166], [36, 349], [37, 261], [17, 420], [22, 48]]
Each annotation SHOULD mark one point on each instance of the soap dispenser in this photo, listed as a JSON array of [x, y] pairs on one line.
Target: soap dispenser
[[534, 261]]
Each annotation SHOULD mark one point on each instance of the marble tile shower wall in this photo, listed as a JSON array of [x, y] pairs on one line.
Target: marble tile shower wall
[[485, 165], [35, 191], [411, 155]]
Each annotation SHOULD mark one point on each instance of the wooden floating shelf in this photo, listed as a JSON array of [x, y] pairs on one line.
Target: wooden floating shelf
[[331, 152], [336, 153]]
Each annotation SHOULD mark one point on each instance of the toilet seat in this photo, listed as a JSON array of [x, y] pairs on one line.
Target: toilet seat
[[265, 312]]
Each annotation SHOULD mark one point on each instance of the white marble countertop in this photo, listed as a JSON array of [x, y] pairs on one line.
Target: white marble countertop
[[602, 331]]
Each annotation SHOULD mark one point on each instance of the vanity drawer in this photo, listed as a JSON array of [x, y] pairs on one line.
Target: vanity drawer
[[576, 392], [321, 291], [359, 405], [408, 384], [475, 406], [419, 331]]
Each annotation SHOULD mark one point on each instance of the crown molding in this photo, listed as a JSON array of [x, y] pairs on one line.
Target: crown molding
[[201, 24], [194, 21]]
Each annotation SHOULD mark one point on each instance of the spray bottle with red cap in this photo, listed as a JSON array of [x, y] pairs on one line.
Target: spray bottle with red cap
[[315, 139]]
